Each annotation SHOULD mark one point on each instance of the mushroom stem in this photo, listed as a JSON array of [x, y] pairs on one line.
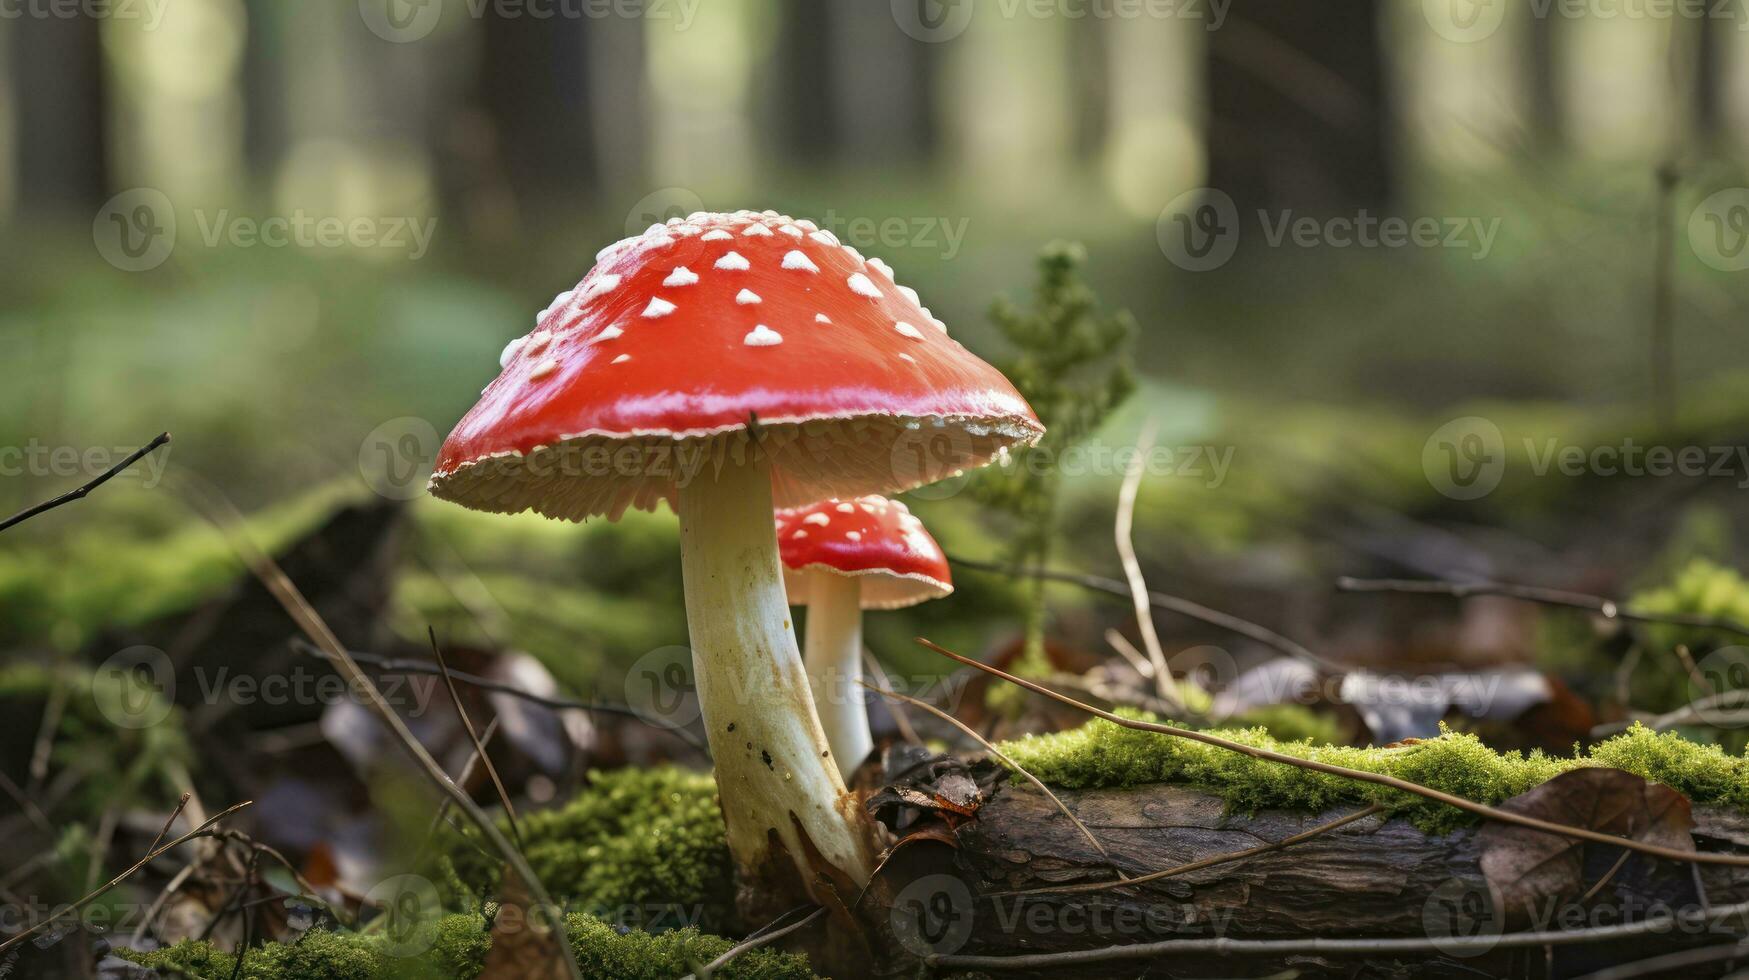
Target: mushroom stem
[[775, 775], [833, 657]]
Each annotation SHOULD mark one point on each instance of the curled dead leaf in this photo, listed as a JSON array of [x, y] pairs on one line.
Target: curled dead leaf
[[1530, 869]]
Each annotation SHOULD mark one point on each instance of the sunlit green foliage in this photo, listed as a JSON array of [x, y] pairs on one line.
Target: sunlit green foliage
[[1104, 754], [1702, 588]]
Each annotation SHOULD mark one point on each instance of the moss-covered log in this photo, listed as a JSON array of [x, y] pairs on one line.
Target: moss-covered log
[[1375, 877]]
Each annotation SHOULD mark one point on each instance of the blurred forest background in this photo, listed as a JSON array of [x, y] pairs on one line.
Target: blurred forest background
[[309, 382]]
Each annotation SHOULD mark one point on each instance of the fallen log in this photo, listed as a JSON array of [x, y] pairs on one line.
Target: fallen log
[[952, 896]]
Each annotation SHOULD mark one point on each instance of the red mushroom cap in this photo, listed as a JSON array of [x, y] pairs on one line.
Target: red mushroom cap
[[872, 537], [683, 339]]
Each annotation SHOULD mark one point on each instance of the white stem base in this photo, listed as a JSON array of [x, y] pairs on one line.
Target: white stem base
[[833, 658], [774, 775]]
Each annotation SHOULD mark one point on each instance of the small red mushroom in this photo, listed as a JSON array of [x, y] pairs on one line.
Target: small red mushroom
[[841, 557], [726, 363]]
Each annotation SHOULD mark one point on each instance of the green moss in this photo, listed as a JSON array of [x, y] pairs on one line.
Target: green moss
[[1291, 723], [459, 948], [641, 847], [1102, 753]]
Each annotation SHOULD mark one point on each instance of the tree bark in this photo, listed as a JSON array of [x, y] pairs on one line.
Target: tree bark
[[1372, 878]]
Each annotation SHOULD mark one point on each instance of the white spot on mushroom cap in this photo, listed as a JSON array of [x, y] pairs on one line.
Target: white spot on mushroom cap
[[611, 333], [733, 261], [656, 229], [938, 324], [791, 230], [907, 330], [807, 225], [824, 237], [747, 297], [658, 307], [816, 518], [853, 535], [543, 369], [538, 340], [510, 351], [601, 286], [845, 508], [687, 230], [762, 336], [799, 261], [621, 359], [800, 533], [882, 267], [907, 357], [681, 276], [862, 285], [910, 294], [716, 235], [757, 231]]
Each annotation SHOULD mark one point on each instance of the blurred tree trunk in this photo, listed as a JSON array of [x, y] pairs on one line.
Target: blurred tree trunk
[[1543, 104], [534, 90], [1299, 107], [879, 82], [61, 111]]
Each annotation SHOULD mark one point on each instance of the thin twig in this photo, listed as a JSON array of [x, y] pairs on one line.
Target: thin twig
[[1607, 608], [1359, 775], [392, 665], [1096, 886], [72, 495], [1128, 651], [1123, 527], [1010, 763], [900, 719], [43, 748], [455, 698], [1448, 945], [268, 572], [1591, 892], [171, 821], [26, 805], [1160, 600], [466, 777], [754, 942], [200, 831]]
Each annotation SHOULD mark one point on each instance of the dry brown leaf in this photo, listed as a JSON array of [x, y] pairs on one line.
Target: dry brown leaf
[[1528, 868], [523, 944]]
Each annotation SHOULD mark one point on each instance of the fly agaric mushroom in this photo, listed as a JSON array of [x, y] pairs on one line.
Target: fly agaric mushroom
[[726, 363], [841, 557]]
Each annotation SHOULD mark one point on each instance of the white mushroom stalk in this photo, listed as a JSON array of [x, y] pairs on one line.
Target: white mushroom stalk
[[775, 775], [833, 657]]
